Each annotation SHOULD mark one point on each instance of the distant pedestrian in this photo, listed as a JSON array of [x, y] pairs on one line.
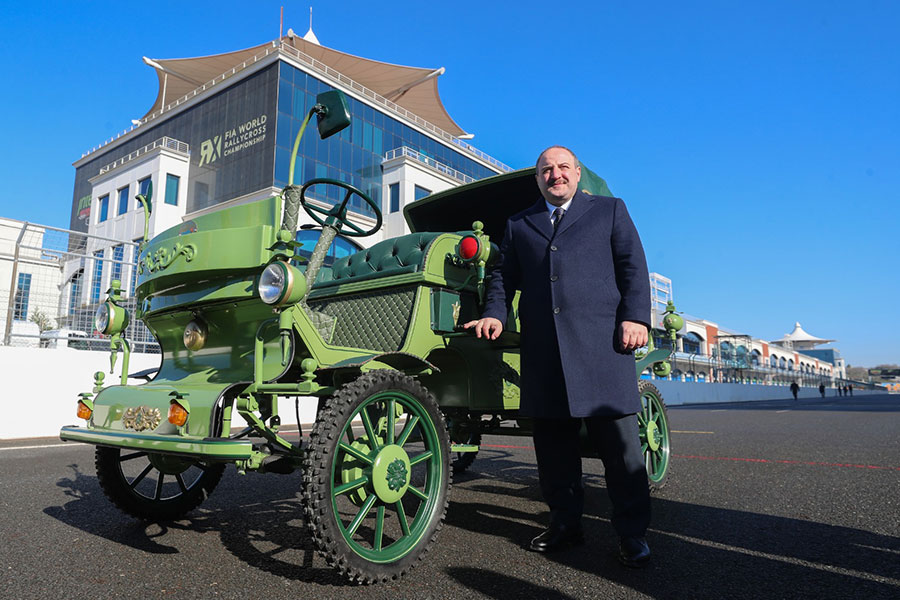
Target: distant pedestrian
[[822, 389], [840, 390], [847, 389], [794, 389]]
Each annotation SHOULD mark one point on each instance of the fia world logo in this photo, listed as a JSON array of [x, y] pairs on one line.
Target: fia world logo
[[210, 150]]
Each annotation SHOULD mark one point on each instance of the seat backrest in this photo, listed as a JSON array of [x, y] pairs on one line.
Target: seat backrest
[[404, 254]]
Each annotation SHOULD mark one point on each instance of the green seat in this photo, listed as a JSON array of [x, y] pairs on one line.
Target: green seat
[[405, 254]]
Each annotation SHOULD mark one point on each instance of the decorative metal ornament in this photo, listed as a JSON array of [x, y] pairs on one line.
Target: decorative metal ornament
[[396, 475], [141, 417]]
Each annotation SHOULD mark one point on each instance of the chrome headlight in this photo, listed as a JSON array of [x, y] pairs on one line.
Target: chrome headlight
[[110, 319], [101, 318], [281, 283], [195, 335]]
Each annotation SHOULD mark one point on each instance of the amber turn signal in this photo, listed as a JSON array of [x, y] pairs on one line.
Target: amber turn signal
[[177, 414], [83, 411]]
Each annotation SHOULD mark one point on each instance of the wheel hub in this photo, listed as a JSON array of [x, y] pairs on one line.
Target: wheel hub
[[169, 465], [390, 473], [654, 439]]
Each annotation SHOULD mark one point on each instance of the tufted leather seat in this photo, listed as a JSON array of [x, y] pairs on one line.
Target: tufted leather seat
[[405, 254]]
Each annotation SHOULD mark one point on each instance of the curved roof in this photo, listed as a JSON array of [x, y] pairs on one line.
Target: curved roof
[[412, 88], [799, 335]]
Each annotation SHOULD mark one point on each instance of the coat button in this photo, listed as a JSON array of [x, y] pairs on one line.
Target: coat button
[[556, 311], [553, 248], [554, 277]]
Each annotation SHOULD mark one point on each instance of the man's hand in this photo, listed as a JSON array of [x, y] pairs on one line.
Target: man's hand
[[632, 335], [487, 327]]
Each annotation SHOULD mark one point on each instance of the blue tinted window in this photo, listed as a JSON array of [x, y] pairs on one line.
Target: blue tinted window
[[96, 281], [144, 190], [104, 209], [117, 256], [172, 182], [75, 291], [421, 192], [123, 201], [340, 247], [23, 291], [395, 197]]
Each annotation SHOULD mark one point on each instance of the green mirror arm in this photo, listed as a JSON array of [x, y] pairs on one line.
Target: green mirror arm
[[143, 200], [296, 147], [126, 358]]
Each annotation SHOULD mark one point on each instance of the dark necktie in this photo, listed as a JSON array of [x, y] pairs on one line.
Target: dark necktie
[[558, 215]]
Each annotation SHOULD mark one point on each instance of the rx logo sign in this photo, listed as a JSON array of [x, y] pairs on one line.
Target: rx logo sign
[[210, 150]]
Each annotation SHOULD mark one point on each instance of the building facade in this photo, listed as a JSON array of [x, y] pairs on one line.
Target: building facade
[[221, 131]]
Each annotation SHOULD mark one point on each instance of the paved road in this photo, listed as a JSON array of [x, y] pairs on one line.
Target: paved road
[[767, 500]]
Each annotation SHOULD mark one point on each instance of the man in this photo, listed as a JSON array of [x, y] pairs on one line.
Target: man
[[584, 308], [794, 389]]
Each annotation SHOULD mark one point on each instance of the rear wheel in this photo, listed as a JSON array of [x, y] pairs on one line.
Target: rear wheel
[[653, 426], [376, 494], [154, 487]]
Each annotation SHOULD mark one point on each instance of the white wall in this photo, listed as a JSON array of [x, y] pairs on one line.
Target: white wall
[[42, 387]]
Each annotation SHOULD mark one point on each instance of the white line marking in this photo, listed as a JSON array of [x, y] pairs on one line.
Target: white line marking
[[43, 446]]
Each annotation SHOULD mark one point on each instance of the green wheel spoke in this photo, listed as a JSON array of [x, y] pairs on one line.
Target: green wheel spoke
[[379, 527], [407, 431], [141, 476], [357, 521], [159, 486], [420, 458], [355, 453], [390, 421], [650, 410], [642, 420], [367, 424], [644, 447], [401, 516], [417, 493], [350, 486]]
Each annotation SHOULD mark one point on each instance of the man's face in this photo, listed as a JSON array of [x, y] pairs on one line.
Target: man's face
[[557, 176]]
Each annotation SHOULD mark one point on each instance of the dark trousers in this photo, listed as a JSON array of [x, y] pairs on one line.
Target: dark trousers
[[558, 451]]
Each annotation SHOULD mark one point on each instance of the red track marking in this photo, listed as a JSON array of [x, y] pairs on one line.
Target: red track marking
[[736, 459], [786, 462]]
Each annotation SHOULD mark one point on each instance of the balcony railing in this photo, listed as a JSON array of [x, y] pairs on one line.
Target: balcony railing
[[163, 142], [427, 160]]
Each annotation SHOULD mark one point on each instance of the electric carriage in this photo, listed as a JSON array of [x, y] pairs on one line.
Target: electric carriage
[[247, 321]]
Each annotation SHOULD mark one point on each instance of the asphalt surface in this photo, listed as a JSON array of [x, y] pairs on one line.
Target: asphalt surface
[[766, 500]]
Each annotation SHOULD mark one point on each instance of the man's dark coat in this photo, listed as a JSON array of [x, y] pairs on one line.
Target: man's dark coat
[[576, 286]]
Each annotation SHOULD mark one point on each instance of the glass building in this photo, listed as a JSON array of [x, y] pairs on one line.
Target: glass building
[[222, 127]]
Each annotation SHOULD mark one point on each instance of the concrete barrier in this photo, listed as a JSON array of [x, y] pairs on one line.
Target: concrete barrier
[[680, 392], [42, 387]]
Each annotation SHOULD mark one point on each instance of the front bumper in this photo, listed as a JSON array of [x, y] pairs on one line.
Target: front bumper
[[205, 448]]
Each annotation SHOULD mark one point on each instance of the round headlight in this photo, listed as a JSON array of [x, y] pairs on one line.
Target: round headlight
[[273, 283], [195, 335], [101, 318]]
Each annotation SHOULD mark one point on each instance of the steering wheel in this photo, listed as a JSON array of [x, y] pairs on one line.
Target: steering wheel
[[336, 216]]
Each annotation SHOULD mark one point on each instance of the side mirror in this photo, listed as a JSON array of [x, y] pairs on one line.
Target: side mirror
[[332, 112]]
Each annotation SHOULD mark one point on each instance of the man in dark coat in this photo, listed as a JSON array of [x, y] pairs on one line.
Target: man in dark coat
[[584, 308]]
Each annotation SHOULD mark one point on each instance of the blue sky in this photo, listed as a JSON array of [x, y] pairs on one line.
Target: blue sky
[[757, 145]]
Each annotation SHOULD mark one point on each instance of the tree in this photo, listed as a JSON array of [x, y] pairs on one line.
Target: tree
[[41, 319]]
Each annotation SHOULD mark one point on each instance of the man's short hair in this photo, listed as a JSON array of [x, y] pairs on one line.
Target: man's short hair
[[577, 164]]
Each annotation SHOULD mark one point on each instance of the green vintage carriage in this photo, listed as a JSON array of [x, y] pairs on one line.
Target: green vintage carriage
[[373, 340]]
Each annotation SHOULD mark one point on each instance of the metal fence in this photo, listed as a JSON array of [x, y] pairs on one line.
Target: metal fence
[[53, 280]]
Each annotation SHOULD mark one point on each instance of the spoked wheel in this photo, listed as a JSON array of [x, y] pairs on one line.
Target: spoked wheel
[[377, 475], [653, 425], [154, 487]]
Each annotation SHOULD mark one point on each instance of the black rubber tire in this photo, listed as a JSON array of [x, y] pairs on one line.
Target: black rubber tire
[[328, 510], [141, 495], [659, 462], [463, 460]]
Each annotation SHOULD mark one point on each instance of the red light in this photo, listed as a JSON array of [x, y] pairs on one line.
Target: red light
[[468, 247]]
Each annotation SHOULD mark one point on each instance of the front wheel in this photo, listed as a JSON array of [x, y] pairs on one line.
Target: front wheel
[[377, 476], [653, 427], [154, 487]]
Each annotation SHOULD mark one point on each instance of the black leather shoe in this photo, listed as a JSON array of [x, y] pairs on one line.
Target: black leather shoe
[[634, 552], [557, 537]]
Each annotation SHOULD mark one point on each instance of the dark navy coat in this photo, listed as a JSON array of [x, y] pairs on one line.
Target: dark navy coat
[[576, 286]]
